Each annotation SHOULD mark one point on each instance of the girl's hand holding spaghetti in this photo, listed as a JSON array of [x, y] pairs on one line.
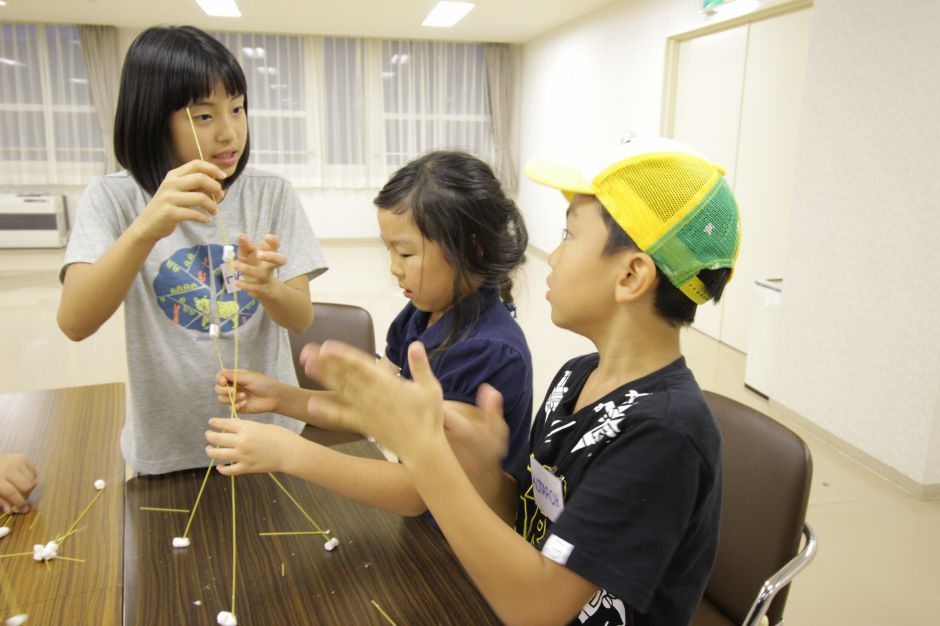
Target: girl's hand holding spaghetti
[[249, 447], [257, 393], [187, 193]]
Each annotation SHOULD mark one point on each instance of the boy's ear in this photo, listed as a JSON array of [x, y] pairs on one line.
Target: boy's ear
[[637, 277]]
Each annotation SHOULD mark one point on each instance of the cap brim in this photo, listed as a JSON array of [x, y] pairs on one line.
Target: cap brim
[[565, 178]]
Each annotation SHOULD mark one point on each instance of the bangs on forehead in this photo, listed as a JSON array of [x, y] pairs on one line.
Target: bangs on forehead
[[199, 70]]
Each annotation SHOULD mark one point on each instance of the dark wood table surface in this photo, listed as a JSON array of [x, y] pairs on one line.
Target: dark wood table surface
[[403, 565], [72, 437], [124, 552]]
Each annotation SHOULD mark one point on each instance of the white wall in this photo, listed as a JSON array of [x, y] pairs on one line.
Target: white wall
[[587, 83], [860, 345]]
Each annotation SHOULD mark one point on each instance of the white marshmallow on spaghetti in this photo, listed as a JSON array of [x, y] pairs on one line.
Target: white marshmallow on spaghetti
[[224, 618], [17, 620], [4, 531], [330, 545], [181, 542], [100, 484]]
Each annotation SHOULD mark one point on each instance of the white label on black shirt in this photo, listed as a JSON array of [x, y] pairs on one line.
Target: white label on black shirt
[[557, 549], [549, 495]]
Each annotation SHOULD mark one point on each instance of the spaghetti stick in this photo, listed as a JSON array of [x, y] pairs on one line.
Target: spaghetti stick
[[295, 532], [384, 614], [156, 508], [81, 515], [297, 504]]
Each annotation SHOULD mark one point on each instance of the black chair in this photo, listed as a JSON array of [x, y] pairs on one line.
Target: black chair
[[767, 470]]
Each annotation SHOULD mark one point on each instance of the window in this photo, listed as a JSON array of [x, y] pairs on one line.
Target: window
[[434, 97], [49, 129], [345, 113], [324, 111]]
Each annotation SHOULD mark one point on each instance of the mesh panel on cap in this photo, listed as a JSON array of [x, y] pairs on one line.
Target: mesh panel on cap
[[648, 194], [676, 207], [706, 238]]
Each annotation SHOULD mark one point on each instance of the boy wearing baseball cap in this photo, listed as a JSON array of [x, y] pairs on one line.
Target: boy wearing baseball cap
[[616, 500]]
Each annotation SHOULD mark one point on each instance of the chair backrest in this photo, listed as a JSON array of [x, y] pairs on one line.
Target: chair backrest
[[348, 323], [767, 470]]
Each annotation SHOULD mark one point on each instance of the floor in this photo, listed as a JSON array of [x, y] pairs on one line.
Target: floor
[[879, 548]]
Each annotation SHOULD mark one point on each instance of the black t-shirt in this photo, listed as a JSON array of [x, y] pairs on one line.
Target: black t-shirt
[[641, 479]]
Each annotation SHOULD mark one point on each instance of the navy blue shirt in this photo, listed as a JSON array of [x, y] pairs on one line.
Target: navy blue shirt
[[494, 351]]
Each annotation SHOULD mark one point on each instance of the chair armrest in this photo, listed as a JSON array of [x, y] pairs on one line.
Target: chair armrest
[[781, 578]]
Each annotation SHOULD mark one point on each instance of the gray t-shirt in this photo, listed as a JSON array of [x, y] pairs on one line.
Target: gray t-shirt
[[171, 359]]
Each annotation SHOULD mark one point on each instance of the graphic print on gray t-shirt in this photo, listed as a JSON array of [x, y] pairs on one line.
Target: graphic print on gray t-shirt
[[190, 291]]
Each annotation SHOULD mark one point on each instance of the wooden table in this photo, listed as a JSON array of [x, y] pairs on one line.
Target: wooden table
[[72, 437], [402, 564]]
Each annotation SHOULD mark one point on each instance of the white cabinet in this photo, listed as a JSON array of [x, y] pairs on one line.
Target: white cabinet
[[763, 336]]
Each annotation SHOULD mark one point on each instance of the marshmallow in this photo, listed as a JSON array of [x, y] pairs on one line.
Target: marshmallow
[[4, 531], [45, 552], [17, 620], [100, 484], [180, 542], [214, 330], [228, 254], [224, 618], [330, 545]]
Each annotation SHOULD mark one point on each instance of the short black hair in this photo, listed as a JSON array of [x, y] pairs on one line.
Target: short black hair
[[670, 303], [165, 69], [457, 201]]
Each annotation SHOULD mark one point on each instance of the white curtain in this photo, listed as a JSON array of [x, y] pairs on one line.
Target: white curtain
[[500, 63], [345, 113], [49, 129], [433, 98], [99, 51], [324, 111]]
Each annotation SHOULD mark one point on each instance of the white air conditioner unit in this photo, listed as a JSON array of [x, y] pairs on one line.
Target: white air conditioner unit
[[32, 221]]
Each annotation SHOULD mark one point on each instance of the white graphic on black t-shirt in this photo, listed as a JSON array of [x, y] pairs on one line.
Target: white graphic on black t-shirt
[[548, 437], [604, 609], [609, 426], [557, 395]]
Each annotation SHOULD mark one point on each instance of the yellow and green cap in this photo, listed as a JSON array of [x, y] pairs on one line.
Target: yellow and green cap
[[674, 203]]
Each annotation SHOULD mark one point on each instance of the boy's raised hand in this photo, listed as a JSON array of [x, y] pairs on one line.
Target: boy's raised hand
[[256, 393], [257, 265], [17, 480], [479, 437], [250, 447], [187, 193], [402, 415]]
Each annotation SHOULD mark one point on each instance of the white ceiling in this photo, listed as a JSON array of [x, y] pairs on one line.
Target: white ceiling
[[514, 21]]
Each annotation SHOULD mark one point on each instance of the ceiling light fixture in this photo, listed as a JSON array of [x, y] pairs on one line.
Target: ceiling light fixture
[[219, 8], [446, 14]]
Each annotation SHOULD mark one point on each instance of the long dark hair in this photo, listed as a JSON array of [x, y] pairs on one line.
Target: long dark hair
[[165, 69], [456, 201]]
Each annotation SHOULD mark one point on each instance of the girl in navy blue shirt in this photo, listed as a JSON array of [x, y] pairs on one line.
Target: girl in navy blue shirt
[[454, 239]]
